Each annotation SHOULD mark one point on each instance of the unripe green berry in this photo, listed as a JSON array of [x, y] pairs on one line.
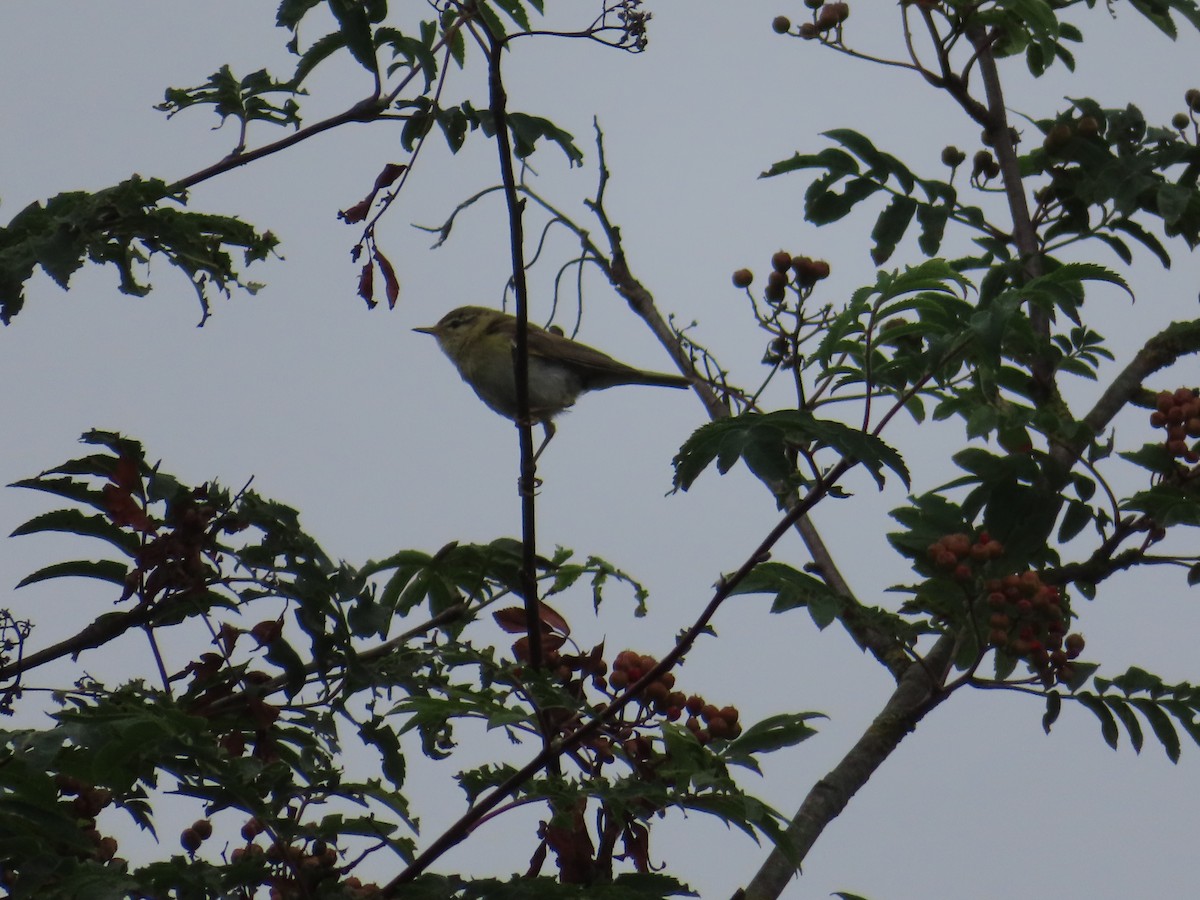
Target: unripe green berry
[[952, 156], [1057, 138]]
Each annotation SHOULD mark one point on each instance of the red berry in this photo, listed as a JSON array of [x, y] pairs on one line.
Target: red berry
[[958, 544]]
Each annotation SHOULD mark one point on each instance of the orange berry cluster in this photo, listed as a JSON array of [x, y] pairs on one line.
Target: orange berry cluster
[[957, 553], [1026, 617], [706, 721], [294, 870], [806, 271], [1179, 413], [196, 834], [659, 694], [826, 17], [1028, 621], [571, 669], [87, 802]]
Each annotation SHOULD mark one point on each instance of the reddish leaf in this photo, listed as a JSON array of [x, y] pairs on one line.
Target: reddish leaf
[[390, 281], [511, 619], [126, 475], [553, 620], [636, 839], [549, 642], [366, 284], [227, 637], [572, 846], [390, 173], [267, 631], [593, 661], [537, 861], [124, 510], [357, 212]]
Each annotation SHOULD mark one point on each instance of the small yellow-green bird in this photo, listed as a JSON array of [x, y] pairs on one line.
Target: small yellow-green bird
[[480, 343]]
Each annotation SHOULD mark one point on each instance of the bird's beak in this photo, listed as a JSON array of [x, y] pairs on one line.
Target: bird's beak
[[427, 329]]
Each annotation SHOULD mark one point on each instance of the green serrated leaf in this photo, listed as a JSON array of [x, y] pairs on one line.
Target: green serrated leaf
[[1108, 725], [355, 23], [104, 570], [766, 440], [1167, 504], [1053, 708], [72, 521], [1160, 723], [890, 227], [1132, 727], [1075, 519], [774, 733]]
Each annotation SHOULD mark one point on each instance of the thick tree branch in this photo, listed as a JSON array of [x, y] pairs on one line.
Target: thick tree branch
[[1176, 340], [883, 646], [916, 694]]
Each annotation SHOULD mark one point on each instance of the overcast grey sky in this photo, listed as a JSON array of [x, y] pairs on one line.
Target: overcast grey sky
[[362, 425]]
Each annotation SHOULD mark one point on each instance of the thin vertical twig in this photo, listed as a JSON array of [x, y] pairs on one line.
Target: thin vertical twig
[[528, 475]]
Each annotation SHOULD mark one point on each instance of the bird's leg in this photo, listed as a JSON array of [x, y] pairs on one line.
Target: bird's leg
[[548, 430], [523, 485]]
